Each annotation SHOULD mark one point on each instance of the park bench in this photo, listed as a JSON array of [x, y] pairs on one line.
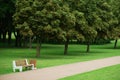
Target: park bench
[[20, 64]]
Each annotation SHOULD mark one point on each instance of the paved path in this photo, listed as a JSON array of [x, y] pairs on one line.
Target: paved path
[[54, 73]]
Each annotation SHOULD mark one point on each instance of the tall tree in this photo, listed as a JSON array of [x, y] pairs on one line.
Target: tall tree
[[6, 11], [68, 22], [67, 25], [45, 18], [115, 28], [100, 17], [21, 20], [84, 12], [46, 21]]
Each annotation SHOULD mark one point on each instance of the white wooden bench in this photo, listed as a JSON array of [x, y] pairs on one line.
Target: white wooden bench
[[20, 64]]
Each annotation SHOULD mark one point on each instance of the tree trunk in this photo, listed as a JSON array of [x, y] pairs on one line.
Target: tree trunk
[[25, 42], [66, 47], [4, 36], [0, 36], [30, 42], [88, 47], [115, 45], [9, 37], [18, 39], [16, 42], [38, 48]]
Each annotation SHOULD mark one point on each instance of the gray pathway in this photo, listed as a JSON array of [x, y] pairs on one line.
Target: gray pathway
[[54, 73]]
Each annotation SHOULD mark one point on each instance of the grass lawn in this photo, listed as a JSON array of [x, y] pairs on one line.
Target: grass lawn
[[52, 55], [107, 73]]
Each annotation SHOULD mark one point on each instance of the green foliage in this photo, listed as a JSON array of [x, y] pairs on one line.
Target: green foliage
[[68, 19], [24, 29], [102, 15], [115, 28], [6, 6], [21, 16]]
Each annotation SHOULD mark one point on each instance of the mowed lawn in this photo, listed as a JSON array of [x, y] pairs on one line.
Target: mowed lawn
[[52, 55], [107, 73]]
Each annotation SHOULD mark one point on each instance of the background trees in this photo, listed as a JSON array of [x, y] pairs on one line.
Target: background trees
[[60, 20], [6, 11]]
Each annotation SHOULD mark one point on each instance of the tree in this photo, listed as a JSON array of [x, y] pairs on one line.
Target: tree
[[45, 18], [115, 28], [100, 17], [6, 12], [67, 25], [46, 21], [84, 12], [21, 21]]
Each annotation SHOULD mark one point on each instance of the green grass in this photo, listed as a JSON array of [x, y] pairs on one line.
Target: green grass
[[107, 73], [52, 55]]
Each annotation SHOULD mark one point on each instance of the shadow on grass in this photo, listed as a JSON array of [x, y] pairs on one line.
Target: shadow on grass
[[49, 51], [44, 46], [23, 53], [108, 47], [46, 56]]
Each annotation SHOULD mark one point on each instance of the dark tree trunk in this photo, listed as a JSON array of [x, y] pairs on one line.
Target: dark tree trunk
[[25, 42], [66, 47], [38, 48], [9, 37], [18, 42], [0, 29], [115, 45], [30, 42], [0, 36], [88, 47], [4, 36], [16, 39]]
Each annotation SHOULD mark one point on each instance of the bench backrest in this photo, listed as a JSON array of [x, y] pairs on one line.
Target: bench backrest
[[20, 62]]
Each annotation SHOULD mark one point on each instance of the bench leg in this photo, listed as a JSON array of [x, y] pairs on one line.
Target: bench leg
[[20, 69], [13, 69], [32, 67]]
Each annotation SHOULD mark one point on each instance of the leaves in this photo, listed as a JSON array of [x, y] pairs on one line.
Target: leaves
[[83, 20]]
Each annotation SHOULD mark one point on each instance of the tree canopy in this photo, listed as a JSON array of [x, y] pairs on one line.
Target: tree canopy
[[64, 20]]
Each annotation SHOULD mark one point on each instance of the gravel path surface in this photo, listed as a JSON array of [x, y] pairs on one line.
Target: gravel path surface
[[56, 72]]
